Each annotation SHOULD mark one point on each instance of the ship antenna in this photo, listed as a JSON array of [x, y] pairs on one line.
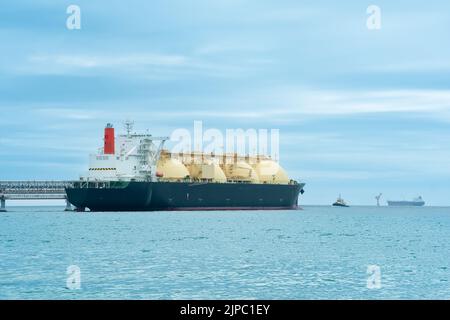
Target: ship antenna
[[128, 126]]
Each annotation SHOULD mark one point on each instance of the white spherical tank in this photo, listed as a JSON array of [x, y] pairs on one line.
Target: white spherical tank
[[171, 169], [240, 171], [195, 170], [271, 172], [208, 170]]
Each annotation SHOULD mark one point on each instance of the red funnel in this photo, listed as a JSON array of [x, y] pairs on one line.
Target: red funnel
[[109, 140]]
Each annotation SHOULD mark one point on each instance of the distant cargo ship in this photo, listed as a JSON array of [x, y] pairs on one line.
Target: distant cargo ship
[[417, 202], [133, 173]]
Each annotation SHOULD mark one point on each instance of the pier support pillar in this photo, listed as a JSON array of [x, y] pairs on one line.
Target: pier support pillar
[[2, 204], [68, 206]]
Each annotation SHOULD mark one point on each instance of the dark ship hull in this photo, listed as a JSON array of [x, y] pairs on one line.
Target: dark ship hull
[[151, 196], [337, 204]]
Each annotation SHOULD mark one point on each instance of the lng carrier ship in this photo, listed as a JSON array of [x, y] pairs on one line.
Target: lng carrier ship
[[132, 172]]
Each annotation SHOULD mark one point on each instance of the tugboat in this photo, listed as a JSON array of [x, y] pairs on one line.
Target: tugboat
[[340, 202]]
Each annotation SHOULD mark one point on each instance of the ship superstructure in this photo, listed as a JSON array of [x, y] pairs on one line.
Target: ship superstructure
[[128, 157]]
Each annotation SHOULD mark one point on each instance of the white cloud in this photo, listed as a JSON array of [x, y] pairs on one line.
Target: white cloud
[[143, 65], [280, 106], [69, 113], [98, 61], [319, 102], [411, 66], [59, 64], [214, 48], [294, 104]]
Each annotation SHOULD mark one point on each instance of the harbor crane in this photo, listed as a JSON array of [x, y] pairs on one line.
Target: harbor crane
[[378, 197]]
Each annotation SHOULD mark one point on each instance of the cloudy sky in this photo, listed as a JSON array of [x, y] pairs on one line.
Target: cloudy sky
[[359, 111]]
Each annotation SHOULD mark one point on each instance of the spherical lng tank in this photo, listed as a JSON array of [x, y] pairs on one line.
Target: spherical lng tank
[[208, 170], [195, 170], [271, 172], [171, 169], [241, 171]]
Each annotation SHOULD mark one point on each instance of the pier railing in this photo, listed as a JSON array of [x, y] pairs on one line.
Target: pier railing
[[33, 190]]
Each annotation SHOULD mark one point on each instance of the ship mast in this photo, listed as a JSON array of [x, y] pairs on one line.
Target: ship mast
[[147, 149], [128, 126]]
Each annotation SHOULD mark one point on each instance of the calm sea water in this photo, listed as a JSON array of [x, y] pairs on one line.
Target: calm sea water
[[318, 252]]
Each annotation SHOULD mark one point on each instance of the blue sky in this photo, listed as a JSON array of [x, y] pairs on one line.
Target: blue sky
[[359, 111]]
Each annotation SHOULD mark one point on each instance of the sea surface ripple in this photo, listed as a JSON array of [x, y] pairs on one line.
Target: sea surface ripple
[[316, 253]]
